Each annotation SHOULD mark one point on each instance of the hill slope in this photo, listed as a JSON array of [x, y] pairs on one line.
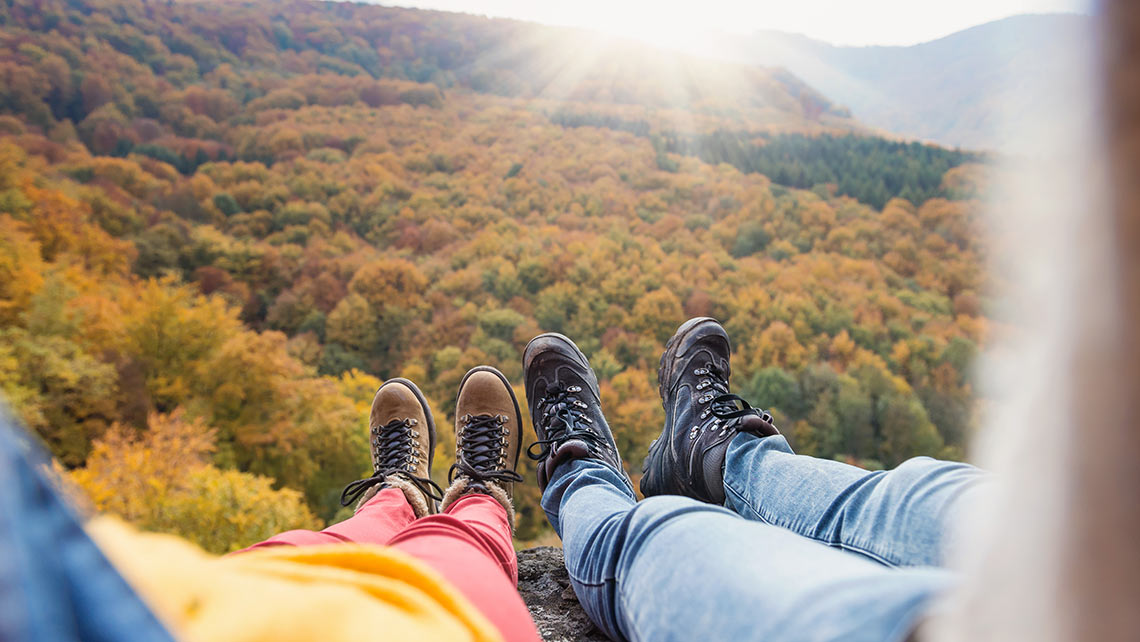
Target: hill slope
[[952, 91], [230, 221], [135, 44]]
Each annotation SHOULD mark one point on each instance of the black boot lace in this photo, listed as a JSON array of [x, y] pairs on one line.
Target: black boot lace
[[721, 403], [562, 413], [483, 441], [397, 453]]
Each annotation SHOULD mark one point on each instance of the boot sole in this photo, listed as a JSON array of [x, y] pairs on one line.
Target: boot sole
[[678, 341], [427, 413], [514, 399]]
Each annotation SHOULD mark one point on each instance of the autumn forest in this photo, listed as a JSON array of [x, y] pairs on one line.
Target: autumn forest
[[223, 225]]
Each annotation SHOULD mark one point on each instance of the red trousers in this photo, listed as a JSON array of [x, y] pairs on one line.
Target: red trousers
[[469, 544]]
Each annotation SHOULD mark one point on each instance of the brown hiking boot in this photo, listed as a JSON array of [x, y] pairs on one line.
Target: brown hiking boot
[[488, 439], [402, 440]]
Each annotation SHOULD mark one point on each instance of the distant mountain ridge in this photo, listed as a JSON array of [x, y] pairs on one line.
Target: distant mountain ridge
[[954, 91]]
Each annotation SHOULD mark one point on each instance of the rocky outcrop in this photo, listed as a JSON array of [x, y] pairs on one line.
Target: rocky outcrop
[[545, 587]]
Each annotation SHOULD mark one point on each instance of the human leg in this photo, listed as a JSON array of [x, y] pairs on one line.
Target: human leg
[[673, 568], [377, 521], [401, 435], [469, 543], [716, 448], [901, 517]]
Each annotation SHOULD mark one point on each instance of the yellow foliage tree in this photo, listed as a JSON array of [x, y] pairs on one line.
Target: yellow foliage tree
[[160, 480], [21, 269], [389, 282]]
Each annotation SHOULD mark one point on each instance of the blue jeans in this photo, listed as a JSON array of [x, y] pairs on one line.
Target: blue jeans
[[825, 551], [54, 583]]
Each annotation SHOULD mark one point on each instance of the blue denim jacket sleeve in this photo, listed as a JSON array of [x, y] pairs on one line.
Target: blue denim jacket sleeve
[[55, 584]]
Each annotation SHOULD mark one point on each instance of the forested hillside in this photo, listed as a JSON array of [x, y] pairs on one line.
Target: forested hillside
[[223, 225]]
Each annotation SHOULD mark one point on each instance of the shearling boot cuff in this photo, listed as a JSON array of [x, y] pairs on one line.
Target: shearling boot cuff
[[421, 504], [464, 485]]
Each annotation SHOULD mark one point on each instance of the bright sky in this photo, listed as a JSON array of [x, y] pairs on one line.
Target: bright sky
[[841, 22]]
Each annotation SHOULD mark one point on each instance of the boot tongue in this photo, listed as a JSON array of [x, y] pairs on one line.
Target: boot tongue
[[757, 426]]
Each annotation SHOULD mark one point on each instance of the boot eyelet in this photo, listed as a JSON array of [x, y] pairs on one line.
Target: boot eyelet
[[413, 421], [701, 371], [574, 389]]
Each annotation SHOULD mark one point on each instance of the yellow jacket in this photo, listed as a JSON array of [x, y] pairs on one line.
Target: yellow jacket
[[342, 592]]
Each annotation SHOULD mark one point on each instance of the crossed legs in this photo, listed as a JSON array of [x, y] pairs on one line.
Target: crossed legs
[[673, 568], [740, 537]]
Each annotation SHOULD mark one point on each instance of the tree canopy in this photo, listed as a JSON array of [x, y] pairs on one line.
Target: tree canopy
[[228, 223]]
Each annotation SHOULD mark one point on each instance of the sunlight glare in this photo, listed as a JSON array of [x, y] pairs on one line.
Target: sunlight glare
[[838, 22], [663, 27]]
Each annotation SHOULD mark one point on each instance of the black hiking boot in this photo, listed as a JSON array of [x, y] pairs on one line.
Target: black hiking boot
[[701, 415], [565, 407], [401, 434]]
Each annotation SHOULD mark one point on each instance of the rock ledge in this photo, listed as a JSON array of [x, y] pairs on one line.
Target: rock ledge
[[545, 587]]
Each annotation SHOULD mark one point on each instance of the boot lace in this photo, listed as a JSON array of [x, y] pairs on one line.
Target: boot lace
[[721, 403], [483, 443], [564, 417], [396, 452]]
